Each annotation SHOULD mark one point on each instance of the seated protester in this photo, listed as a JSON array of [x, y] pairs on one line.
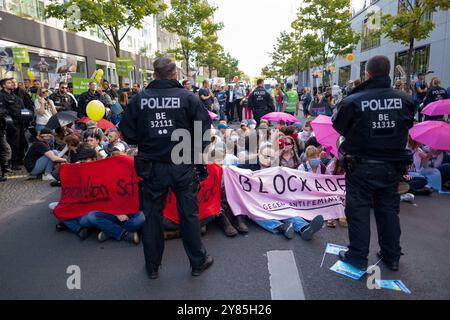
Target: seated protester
[[93, 140], [115, 145], [248, 157], [80, 225], [61, 134], [420, 166], [336, 168], [307, 131], [281, 125], [289, 157], [444, 168], [268, 158], [91, 128], [322, 152], [223, 129], [312, 162], [39, 159], [292, 131], [243, 130], [119, 227], [417, 185]]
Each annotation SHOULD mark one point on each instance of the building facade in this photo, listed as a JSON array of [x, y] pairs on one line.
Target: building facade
[[431, 55], [23, 25]]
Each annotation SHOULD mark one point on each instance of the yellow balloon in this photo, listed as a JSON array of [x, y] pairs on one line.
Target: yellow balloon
[[30, 75], [95, 110], [99, 75], [350, 57]]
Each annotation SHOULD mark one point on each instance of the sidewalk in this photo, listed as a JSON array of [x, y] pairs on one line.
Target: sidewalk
[[18, 191]]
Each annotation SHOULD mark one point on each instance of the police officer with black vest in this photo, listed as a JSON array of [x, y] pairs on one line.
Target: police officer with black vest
[[153, 116], [14, 131], [374, 120], [5, 149], [260, 102]]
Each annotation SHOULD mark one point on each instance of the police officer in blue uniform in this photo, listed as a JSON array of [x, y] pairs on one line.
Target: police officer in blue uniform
[[150, 119], [374, 120]]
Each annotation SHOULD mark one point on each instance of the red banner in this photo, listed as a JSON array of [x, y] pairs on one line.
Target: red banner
[[111, 186]]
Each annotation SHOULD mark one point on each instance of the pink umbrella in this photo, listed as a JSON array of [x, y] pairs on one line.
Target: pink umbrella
[[437, 108], [212, 115], [325, 133], [435, 134], [280, 116]]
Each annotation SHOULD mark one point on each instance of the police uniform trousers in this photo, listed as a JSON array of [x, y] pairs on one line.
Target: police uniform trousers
[[17, 142], [5, 151], [258, 114], [376, 183], [181, 180]]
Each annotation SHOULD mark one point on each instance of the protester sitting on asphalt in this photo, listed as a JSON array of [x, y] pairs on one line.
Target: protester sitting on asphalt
[[94, 140], [268, 158], [420, 166], [115, 145], [312, 162], [307, 131], [40, 159], [91, 128], [336, 168], [119, 227], [80, 226], [289, 157]]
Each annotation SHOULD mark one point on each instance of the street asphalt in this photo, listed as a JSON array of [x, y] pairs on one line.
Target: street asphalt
[[34, 259]]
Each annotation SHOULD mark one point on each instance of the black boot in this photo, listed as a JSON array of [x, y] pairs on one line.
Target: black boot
[[226, 226], [2, 177], [240, 225]]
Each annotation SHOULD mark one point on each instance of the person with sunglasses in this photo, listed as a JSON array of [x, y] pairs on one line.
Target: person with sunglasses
[[44, 109], [288, 153], [62, 100]]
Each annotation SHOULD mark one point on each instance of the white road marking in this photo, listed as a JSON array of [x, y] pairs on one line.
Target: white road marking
[[285, 283]]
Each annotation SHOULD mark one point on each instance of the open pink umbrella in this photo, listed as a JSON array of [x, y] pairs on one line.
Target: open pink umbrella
[[435, 134], [280, 116], [325, 133], [212, 115], [437, 108]]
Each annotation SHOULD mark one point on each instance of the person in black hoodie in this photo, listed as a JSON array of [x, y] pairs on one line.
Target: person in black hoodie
[[374, 120], [150, 119], [434, 93]]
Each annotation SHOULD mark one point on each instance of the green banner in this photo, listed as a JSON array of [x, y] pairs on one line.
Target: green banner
[[124, 66], [20, 55], [81, 85]]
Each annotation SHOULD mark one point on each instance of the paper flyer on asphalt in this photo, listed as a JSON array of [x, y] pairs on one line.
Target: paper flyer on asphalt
[[347, 270], [396, 285], [335, 248]]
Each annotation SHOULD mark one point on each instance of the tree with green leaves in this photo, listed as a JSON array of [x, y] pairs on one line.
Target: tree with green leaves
[[325, 30], [192, 21], [412, 23], [114, 17], [289, 54], [228, 67]]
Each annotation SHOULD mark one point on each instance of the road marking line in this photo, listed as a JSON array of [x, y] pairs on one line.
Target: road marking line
[[285, 283]]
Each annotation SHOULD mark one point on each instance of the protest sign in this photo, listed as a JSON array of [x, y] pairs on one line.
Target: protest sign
[[124, 66], [87, 187], [281, 193], [81, 85], [21, 55], [396, 285]]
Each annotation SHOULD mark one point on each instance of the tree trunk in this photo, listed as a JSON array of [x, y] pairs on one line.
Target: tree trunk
[[410, 63], [117, 50]]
